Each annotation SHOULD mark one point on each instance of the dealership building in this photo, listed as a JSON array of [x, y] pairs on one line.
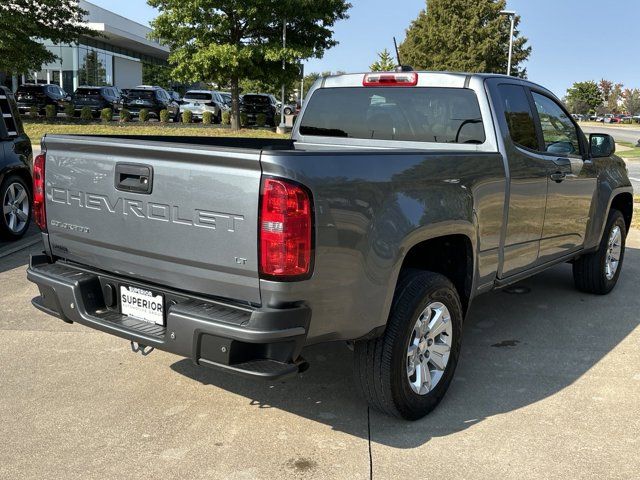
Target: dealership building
[[114, 57]]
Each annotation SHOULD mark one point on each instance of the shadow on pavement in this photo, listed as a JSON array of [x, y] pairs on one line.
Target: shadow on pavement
[[12, 253], [518, 349], [19, 258]]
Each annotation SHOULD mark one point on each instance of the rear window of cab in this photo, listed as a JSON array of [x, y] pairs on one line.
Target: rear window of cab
[[93, 92], [198, 96], [417, 114]]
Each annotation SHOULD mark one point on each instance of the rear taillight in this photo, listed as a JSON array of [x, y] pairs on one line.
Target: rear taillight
[[39, 214], [285, 230], [390, 79]]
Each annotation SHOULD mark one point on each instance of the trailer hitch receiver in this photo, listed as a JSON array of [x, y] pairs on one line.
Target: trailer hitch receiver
[[143, 349]]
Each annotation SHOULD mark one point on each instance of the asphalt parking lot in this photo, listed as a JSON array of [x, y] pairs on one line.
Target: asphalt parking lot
[[548, 387]]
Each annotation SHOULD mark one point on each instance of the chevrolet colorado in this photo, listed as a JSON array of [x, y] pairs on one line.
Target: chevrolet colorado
[[399, 198]]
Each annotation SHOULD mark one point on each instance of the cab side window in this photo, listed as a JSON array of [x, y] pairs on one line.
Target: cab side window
[[519, 117], [558, 131]]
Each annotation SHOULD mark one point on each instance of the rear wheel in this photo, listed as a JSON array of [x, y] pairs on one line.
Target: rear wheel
[[15, 199], [407, 371], [598, 272], [176, 117]]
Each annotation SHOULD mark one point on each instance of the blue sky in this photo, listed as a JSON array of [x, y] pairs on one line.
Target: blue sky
[[572, 40]]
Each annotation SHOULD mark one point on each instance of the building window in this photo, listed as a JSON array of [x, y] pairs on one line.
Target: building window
[[95, 67]]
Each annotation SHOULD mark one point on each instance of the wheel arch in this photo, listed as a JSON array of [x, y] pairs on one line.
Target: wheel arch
[[623, 202], [20, 171], [452, 255]]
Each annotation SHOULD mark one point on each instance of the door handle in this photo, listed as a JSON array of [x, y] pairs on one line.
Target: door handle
[[558, 176]]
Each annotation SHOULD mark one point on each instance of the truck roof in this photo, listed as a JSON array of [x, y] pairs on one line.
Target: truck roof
[[426, 78]]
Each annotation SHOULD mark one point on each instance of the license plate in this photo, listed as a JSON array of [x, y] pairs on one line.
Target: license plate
[[142, 304]]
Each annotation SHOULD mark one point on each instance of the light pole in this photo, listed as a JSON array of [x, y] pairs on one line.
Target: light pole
[[283, 126], [512, 15]]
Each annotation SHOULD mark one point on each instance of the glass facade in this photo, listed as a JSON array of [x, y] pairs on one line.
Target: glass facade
[[95, 66], [88, 63]]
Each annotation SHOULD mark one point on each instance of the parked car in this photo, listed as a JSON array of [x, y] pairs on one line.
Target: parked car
[[399, 198], [15, 170], [200, 101], [227, 99], [253, 104], [154, 99], [175, 96], [96, 98], [30, 95], [289, 109]]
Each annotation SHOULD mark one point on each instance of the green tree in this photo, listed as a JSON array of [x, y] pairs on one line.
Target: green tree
[[613, 103], [631, 100], [385, 62], [459, 35], [92, 71], [311, 78], [24, 22], [159, 75], [224, 41], [584, 97], [267, 85]]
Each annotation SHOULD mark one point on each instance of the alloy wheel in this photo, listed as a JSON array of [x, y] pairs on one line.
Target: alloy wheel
[[429, 348], [614, 250], [15, 207]]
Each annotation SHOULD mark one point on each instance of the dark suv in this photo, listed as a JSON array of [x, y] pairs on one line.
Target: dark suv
[[255, 103], [153, 99], [30, 95], [15, 170], [96, 98]]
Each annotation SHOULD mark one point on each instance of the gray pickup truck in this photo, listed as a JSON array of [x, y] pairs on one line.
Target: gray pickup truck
[[399, 198]]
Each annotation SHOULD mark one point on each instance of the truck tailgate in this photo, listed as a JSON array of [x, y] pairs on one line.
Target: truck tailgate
[[192, 225]]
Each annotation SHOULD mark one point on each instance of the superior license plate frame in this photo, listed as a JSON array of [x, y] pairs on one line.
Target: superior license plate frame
[[136, 310]]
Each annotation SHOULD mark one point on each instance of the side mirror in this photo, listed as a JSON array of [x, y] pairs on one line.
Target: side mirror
[[601, 145]]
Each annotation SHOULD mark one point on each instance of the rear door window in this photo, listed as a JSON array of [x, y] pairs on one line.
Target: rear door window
[[422, 114], [519, 117]]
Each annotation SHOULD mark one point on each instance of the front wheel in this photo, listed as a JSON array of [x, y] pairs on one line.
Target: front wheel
[[407, 371], [598, 272], [15, 216]]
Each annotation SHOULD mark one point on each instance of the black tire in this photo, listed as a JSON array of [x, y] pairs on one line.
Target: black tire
[[380, 364], [589, 271], [177, 118], [288, 111], [6, 232]]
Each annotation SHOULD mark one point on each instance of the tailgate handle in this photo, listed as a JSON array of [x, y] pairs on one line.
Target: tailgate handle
[[132, 177]]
